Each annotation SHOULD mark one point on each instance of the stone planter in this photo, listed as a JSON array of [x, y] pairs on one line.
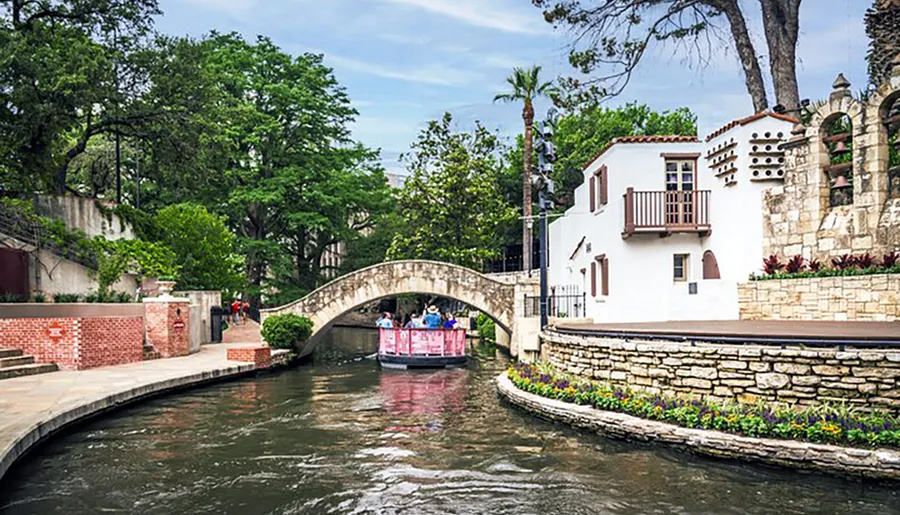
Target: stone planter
[[165, 288]]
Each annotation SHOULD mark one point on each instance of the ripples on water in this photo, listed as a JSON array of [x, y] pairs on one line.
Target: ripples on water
[[352, 439]]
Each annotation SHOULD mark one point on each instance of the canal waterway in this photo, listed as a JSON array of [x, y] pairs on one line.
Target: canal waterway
[[343, 436]]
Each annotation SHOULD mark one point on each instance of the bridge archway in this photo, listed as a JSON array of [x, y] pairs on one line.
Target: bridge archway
[[327, 303]]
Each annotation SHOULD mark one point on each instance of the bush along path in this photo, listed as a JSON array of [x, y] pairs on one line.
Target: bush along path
[[822, 424]]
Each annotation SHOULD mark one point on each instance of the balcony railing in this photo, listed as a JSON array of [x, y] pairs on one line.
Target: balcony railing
[[666, 212]]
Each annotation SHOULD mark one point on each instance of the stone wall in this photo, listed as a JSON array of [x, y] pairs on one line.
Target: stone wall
[[747, 373], [798, 218], [864, 297], [76, 343]]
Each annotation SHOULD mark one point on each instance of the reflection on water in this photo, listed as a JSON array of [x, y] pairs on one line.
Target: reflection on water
[[355, 439]]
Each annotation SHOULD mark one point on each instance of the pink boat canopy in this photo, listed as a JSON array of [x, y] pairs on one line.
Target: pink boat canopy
[[422, 342]]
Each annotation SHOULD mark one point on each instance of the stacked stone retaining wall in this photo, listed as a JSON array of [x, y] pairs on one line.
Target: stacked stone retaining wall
[[864, 297], [747, 373]]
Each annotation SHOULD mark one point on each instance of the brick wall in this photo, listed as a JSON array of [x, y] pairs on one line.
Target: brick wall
[[865, 297], [748, 373], [261, 355], [168, 325], [85, 342]]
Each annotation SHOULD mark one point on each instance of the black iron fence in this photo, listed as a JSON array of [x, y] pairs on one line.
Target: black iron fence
[[563, 302]]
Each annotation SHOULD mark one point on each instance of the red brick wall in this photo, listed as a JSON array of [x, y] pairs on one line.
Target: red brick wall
[[30, 335], [86, 342], [261, 356], [163, 333], [111, 341]]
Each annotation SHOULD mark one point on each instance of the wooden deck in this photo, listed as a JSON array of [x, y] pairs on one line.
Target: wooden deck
[[752, 330]]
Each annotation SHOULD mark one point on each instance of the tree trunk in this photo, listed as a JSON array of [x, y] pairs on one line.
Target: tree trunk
[[528, 117], [781, 21], [753, 77]]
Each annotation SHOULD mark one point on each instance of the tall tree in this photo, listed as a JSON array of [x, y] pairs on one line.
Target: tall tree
[[289, 178], [525, 86], [617, 34], [63, 67], [883, 29], [451, 206]]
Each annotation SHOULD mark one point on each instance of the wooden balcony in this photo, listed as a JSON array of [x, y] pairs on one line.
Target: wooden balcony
[[666, 212]]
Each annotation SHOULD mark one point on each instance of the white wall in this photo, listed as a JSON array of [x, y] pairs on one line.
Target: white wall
[[641, 285], [83, 214]]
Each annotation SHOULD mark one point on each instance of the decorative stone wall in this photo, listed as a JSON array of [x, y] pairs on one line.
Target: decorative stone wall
[[76, 343], [797, 217], [864, 297], [880, 463], [747, 373]]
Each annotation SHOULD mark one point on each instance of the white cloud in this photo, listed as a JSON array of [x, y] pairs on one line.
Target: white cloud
[[484, 13], [436, 74]]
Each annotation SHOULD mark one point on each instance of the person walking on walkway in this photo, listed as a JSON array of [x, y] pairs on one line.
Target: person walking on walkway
[[236, 311]]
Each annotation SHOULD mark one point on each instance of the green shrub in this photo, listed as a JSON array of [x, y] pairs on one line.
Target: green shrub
[[12, 298], [487, 330], [38, 297], [66, 298], [108, 297], [285, 331]]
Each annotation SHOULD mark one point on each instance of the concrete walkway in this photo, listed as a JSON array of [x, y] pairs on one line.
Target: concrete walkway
[[34, 407], [247, 331]]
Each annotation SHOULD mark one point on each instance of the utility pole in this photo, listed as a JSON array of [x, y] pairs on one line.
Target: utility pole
[[546, 158]]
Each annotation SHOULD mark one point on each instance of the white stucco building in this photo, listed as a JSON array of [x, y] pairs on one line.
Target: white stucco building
[[664, 227]]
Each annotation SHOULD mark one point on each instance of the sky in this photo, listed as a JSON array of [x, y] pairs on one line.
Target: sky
[[404, 62]]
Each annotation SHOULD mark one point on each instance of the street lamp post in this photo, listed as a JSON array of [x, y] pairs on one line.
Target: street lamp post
[[546, 157]]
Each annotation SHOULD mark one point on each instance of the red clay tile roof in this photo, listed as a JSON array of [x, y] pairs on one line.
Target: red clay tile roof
[[744, 121], [642, 139]]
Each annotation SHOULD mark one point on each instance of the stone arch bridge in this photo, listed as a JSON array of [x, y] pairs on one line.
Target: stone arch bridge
[[500, 297]]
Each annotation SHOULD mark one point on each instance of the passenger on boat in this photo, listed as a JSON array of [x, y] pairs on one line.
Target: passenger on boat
[[433, 318], [415, 323], [451, 322], [385, 321]]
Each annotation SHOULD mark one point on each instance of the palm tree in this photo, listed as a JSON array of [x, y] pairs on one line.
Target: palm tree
[[526, 86]]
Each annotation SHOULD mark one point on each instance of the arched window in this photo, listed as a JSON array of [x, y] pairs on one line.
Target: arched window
[[710, 266], [837, 135], [890, 117]]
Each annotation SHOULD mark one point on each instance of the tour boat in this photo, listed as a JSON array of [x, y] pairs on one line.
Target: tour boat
[[422, 348]]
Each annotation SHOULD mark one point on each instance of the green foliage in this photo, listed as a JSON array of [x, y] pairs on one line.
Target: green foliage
[[142, 258], [38, 297], [286, 331], [581, 135], [107, 297], [110, 267], [451, 205], [825, 423], [12, 298], [66, 298], [203, 247], [487, 329]]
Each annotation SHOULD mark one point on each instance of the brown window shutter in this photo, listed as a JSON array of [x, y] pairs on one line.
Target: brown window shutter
[[593, 194], [604, 277], [604, 186], [593, 278]]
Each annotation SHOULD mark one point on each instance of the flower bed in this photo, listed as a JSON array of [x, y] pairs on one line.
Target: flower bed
[[824, 424], [799, 267]]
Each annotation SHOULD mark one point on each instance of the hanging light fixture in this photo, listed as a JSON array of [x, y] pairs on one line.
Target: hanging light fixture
[[840, 147], [840, 182]]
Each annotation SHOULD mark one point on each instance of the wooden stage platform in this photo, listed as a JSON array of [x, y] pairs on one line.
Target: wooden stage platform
[[785, 332]]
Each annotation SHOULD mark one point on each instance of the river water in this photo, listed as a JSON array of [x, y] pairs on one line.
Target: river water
[[342, 436]]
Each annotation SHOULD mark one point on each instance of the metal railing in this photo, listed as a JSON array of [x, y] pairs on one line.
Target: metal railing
[[666, 211], [563, 302]]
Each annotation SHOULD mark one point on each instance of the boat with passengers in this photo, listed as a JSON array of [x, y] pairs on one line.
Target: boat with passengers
[[421, 348]]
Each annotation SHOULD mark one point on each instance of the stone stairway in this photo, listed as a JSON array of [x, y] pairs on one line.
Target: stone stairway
[[13, 363], [150, 352]]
